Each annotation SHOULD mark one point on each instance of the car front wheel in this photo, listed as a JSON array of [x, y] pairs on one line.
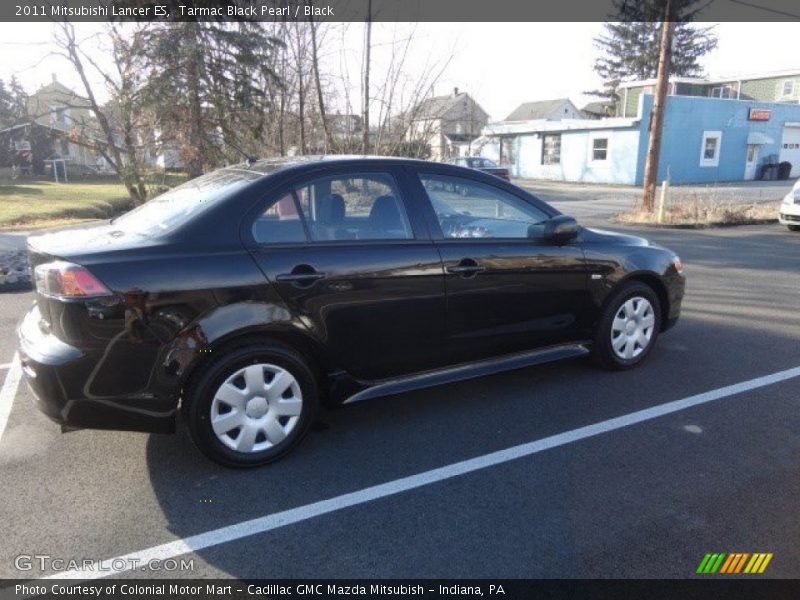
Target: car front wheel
[[628, 327], [794, 227], [252, 405]]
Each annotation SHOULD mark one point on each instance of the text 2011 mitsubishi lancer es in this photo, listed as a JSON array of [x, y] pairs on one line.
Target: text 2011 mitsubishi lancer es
[[250, 295]]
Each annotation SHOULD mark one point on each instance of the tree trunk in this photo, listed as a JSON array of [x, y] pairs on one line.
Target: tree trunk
[[367, 51], [318, 80], [301, 90], [195, 146]]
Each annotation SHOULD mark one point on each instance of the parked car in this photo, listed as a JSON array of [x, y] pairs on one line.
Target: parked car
[[482, 164], [790, 208], [249, 295]]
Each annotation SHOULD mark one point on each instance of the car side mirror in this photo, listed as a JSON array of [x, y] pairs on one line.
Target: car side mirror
[[560, 229]]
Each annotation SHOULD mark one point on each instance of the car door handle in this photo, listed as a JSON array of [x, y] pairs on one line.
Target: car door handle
[[301, 275], [466, 268]]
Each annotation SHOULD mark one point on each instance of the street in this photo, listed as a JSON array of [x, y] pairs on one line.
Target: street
[[590, 202], [642, 499]]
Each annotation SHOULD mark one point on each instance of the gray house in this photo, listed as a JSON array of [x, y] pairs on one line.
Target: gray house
[[548, 110], [448, 124]]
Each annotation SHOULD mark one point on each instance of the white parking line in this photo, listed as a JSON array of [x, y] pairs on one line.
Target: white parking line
[[8, 391], [295, 515], [5, 366]]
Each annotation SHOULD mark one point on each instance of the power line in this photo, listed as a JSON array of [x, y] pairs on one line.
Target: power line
[[766, 9]]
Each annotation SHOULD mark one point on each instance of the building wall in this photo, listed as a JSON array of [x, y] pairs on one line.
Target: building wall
[[686, 120], [566, 111], [576, 162], [769, 90], [631, 105]]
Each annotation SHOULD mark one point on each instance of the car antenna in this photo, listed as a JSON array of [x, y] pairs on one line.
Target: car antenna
[[249, 158]]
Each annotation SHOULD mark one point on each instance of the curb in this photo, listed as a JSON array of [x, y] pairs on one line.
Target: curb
[[717, 225], [18, 286]]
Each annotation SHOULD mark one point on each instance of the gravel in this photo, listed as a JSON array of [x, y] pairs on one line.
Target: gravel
[[15, 273]]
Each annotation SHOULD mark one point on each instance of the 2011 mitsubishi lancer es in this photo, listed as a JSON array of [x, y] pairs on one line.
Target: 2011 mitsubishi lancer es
[[248, 296]]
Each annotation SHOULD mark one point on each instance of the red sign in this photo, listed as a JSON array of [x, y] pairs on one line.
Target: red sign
[[759, 114]]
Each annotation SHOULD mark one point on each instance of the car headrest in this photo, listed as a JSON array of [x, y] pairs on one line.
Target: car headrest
[[385, 213], [331, 210]]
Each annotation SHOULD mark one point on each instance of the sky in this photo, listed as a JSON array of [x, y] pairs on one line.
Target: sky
[[500, 64]]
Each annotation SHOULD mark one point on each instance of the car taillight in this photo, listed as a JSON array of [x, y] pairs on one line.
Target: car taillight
[[67, 280], [505, 175]]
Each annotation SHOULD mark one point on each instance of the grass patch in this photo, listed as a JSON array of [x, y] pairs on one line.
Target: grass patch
[[692, 209], [29, 204]]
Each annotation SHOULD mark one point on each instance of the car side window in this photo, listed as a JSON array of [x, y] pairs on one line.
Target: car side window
[[280, 223], [353, 207], [470, 209]]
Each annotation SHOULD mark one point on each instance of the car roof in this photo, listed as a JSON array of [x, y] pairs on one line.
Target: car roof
[[269, 166]]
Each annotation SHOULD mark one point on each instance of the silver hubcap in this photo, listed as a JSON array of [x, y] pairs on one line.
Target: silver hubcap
[[632, 328], [256, 408]]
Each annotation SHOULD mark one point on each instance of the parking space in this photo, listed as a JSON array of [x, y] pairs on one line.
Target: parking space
[[645, 500]]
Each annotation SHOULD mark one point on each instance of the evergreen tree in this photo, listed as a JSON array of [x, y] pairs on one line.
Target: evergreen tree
[[19, 99], [6, 106], [629, 46], [206, 80]]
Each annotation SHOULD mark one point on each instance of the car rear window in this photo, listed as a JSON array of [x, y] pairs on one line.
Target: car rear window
[[180, 204]]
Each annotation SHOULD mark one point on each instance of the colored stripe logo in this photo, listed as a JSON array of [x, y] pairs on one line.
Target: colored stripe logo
[[733, 563]]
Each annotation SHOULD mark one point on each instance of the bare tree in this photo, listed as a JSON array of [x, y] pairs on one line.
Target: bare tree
[[119, 146]]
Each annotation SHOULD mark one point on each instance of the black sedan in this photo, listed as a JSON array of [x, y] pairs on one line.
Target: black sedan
[[250, 295]]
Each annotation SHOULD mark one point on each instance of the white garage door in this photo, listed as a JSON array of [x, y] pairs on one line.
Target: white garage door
[[790, 148]]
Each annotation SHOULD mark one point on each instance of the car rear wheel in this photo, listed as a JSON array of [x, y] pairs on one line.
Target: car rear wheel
[[628, 327], [252, 405]]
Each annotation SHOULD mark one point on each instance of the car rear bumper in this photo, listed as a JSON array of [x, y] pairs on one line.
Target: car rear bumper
[[790, 211], [51, 368]]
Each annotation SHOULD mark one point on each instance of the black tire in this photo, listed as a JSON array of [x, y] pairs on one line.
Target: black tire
[[602, 349], [200, 396], [794, 227]]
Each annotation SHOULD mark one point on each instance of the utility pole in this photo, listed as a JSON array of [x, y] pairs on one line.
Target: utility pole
[[657, 116]]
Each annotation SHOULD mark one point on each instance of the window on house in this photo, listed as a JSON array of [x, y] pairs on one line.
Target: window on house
[[722, 91], [600, 148], [551, 149], [788, 88], [59, 115], [709, 151]]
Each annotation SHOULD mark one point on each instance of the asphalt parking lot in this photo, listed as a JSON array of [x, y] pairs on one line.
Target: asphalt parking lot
[[649, 499]]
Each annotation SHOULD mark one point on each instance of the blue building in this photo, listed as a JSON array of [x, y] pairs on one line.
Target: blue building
[[705, 140]]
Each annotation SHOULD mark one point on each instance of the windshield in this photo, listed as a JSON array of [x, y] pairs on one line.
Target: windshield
[[177, 206]]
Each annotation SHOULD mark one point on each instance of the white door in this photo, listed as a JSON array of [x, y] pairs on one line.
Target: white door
[[790, 148], [750, 163]]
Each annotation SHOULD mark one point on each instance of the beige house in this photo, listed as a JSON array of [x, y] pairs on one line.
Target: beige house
[[62, 126], [448, 124], [67, 117]]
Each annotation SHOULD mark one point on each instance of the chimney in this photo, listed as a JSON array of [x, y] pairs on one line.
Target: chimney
[[455, 91], [55, 79]]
